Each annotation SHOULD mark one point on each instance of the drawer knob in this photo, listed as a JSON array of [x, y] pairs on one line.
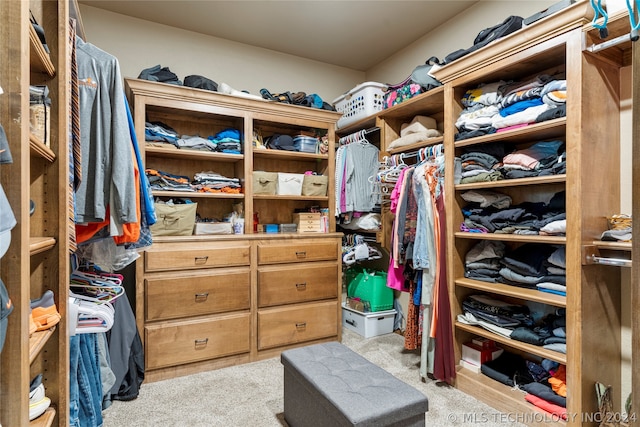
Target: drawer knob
[[202, 297], [301, 254], [301, 286], [201, 260], [201, 343], [301, 325]]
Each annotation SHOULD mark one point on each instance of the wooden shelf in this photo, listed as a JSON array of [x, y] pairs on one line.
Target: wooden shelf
[[39, 149], [524, 238], [426, 104], [41, 244], [39, 58], [285, 197], [44, 420], [418, 145], [614, 246], [191, 154], [509, 400], [196, 195], [514, 292], [550, 129], [37, 340], [518, 345], [366, 123], [538, 180], [288, 155]]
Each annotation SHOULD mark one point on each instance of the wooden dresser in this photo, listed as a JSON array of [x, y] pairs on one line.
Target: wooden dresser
[[209, 301]]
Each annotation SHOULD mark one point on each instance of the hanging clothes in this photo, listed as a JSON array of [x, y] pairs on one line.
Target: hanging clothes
[[417, 258], [107, 189], [357, 165]]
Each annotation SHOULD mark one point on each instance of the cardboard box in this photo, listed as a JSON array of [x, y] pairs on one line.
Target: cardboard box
[[470, 366], [368, 324], [477, 355], [484, 343]]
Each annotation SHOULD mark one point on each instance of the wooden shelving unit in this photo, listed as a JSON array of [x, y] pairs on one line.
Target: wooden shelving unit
[[593, 300], [38, 257]]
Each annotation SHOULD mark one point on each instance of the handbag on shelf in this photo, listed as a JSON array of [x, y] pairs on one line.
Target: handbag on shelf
[[420, 80]]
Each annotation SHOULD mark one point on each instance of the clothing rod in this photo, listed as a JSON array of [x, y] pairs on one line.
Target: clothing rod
[[364, 131], [610, 43], [416, 153], [620, 262]]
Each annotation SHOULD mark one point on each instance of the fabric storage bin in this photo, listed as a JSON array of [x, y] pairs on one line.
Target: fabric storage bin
[[265, 182], [290, 184], [305, 144], [315, 185], [213, 228], [362, 101], [174, 220]]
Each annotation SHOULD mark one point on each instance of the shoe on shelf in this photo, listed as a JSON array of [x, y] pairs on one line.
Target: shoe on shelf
[[44, 311], [46, 300], [38, 402]]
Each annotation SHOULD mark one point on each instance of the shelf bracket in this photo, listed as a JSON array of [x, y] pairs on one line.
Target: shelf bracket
[[591, 255]]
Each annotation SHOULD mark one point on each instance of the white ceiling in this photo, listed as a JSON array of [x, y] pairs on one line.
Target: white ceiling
[[356, 34]]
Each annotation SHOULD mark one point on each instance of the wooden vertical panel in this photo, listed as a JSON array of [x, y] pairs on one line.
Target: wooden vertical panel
[[635, 269], [455, 265], [593, 297], [14, 265], [247, 174]]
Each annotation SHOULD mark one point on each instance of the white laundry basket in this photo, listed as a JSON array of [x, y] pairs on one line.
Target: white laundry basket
[[362, 101]]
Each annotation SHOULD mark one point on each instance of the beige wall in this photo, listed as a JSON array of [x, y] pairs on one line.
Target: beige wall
[[457, 33], [140, 44]]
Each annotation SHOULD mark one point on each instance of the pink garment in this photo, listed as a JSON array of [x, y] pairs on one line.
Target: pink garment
[[395, 277], [395, 193], [508, 128], [550, 407], [395, 273], [343, 189]]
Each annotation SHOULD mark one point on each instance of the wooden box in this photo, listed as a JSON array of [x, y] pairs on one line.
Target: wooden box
[[308, 222]]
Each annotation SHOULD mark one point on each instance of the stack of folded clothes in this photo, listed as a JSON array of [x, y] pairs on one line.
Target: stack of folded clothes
[[165, 181], [516, 321], [204, 182], [501, 106], [491, 212], [213, 182], [482, 262], [160, 134], [494, 163], [544, 383], [531, 265]]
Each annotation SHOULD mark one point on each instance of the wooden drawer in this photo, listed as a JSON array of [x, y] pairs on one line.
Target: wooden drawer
[[176, 343], [193, 293], [305, 282], [298, 251], [297, 323], [193, 255]]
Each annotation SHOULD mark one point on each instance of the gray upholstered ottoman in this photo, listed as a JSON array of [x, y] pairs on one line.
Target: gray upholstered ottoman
[[330, 385]]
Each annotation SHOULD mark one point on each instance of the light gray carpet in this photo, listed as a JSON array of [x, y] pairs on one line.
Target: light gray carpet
[[252, 394]]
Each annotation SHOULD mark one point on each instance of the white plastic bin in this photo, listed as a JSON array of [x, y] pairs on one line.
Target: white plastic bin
[[362, 101]]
